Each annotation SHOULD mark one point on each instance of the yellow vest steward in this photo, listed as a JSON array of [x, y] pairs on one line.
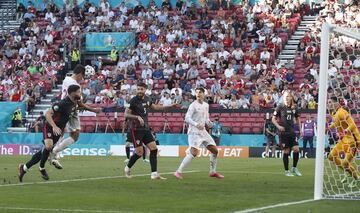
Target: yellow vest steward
[[18, 116], [75, 55], [113, 55]]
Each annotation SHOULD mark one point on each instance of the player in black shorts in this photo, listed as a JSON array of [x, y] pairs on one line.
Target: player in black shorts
[[56, 119], [140, 132], [285, 117], [128, 144]]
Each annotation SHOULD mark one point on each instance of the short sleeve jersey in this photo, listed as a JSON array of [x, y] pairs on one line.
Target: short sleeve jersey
[[287, 116], [62, 112], [140, 107]]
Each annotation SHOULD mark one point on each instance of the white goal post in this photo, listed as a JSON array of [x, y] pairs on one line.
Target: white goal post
[[327, 31]]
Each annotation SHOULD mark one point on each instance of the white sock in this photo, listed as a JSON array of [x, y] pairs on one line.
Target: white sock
[[25, 168], [63, 145], [185, 162], [153, 174], [213, 161]]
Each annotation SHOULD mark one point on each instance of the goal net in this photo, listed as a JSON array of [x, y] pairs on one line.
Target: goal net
[[337, 158]]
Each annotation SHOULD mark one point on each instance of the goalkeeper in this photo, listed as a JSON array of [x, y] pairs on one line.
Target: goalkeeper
[[349, 140]]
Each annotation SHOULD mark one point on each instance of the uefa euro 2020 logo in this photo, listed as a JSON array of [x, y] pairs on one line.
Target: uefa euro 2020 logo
[[108, 41]]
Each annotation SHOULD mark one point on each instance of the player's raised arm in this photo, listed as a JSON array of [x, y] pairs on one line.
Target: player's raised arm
[[128, 115], [88, 108], [161, 107]]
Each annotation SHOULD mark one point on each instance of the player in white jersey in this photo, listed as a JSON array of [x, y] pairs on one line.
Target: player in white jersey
[[197, 117], [74, 122]]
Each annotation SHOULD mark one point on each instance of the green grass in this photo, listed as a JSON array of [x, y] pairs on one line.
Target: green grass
[[248, 183]]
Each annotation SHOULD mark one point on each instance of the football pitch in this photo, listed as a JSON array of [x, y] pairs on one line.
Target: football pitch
[[97, 184]]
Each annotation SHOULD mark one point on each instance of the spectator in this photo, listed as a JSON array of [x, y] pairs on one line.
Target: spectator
[[29, 16], [186, 102], [243, 102], [177, 97], [149, 82], [332, 71], [49, 15], [224, 102], [265, 56], [289, 77], [146, 72], [356, 63], [212, 71], [120, 101], [192, 73], [305, 84], [170, 83], [158, 74], [104, 6], [166, 100], [17, 95], [168, 71], [255, 101], [233, 104], [302, 103], [165, 90], [312, 104], [261, 67], [215, 91], [307, 95], [200, 82], [39, 123], [229, 72], [310, 52], [125, 86], [301, 49], [20, 11], [338, 62], [238, 54], [176, 88], [6, 81]]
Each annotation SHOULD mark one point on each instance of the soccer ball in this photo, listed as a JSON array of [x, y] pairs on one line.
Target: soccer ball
[[89, 71]]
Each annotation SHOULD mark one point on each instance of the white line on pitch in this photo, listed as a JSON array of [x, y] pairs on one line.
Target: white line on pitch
[[252, 172], [85, 179], [61, 210], [274, 206]]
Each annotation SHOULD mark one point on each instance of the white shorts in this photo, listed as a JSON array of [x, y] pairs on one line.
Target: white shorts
[[74, 124], [200, 139]]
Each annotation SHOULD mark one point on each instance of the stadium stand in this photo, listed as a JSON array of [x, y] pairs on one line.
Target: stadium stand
[[230, 50]]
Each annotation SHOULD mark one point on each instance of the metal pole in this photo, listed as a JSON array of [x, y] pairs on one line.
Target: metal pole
[[321, 116]]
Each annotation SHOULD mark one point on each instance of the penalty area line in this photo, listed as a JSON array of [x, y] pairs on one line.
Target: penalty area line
[[86, 179], [274, 206]]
